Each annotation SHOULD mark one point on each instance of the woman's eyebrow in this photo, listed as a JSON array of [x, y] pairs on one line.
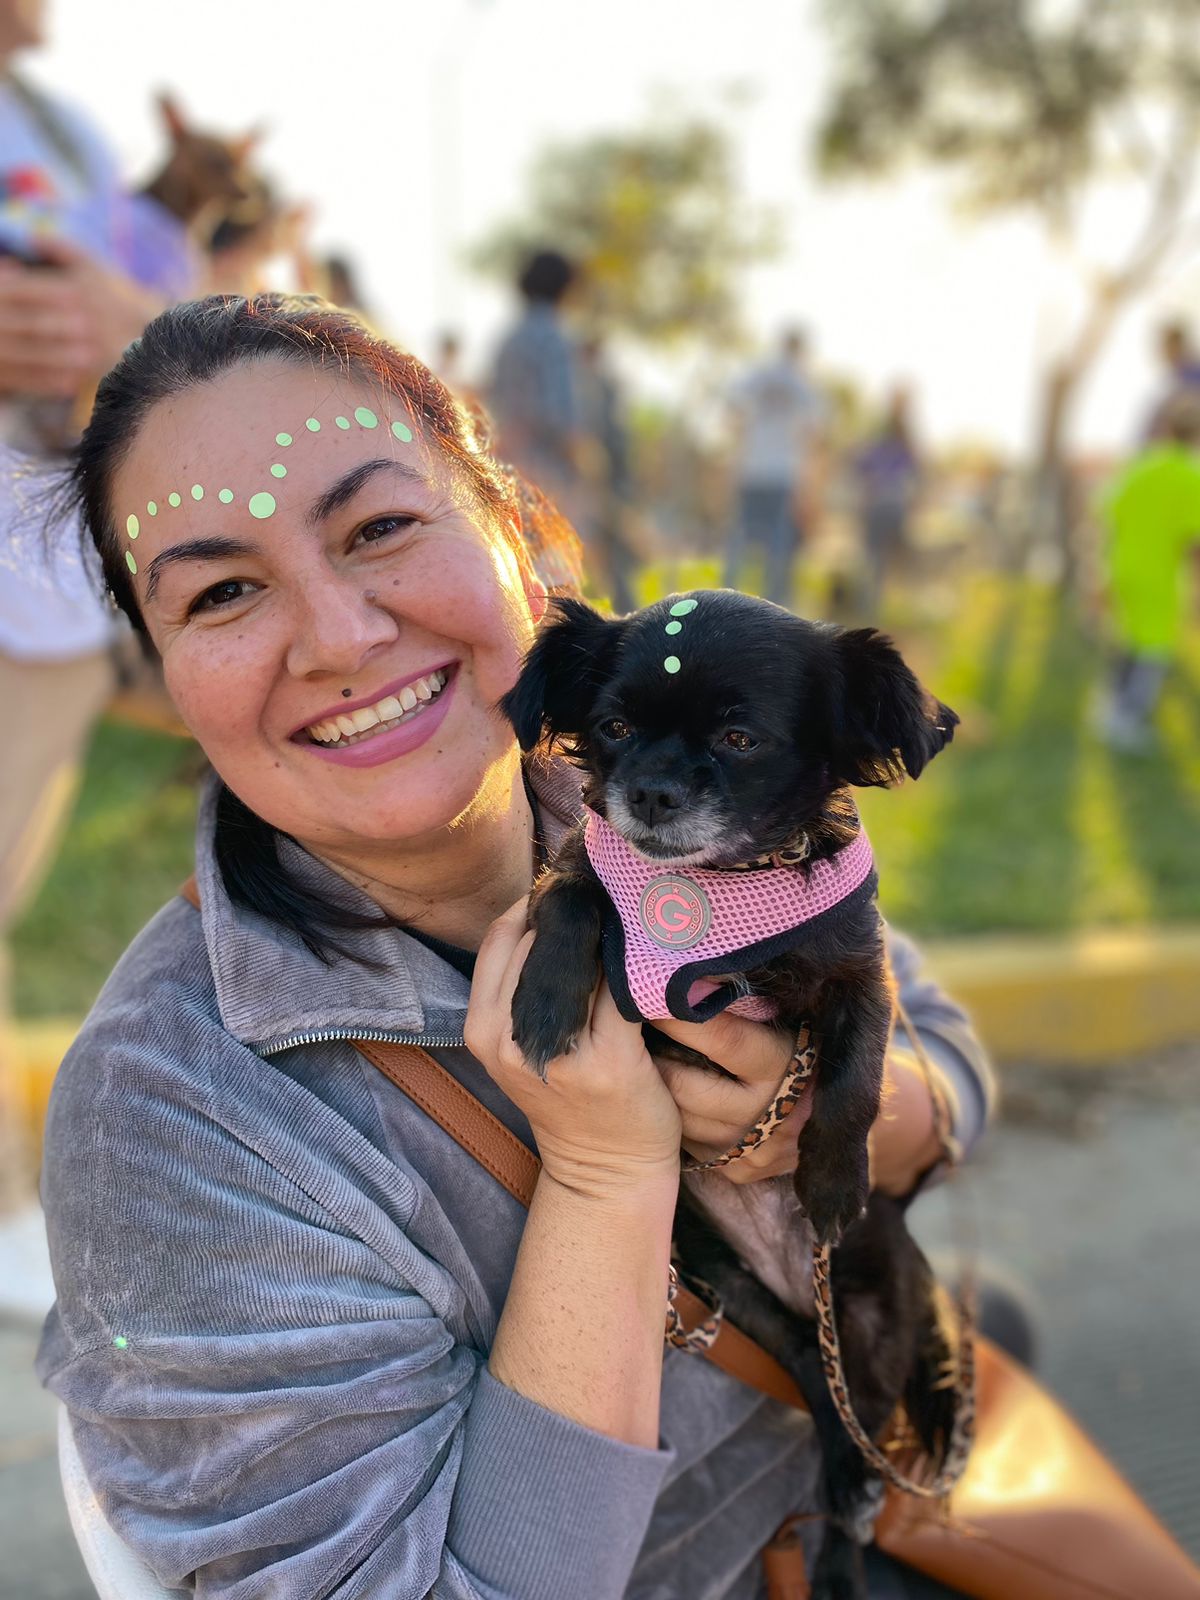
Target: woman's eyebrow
[[347, 486], [215, 549]]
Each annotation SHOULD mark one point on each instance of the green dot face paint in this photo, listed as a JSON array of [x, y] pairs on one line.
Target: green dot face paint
[[682, 607], [313, 425], [262, 505], [674, 627], [225, 496], [152, 507], [279, 470], [402, 432], [132, 526], [365, 417], [121, 1342], [283, 438], [672, 664], [173, 500], [197, 492], [130, 562], [342, 422]]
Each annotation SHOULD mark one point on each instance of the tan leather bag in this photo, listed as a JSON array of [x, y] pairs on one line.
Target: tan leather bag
[[1039, 1514]]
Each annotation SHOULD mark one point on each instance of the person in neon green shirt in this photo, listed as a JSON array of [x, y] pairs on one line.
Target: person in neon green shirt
[[1152, 512]]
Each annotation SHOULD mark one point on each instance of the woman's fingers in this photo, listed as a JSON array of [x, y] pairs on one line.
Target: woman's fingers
[[752, 1051]]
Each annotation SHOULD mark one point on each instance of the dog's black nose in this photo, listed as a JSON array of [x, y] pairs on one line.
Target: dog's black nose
[[656, 801]]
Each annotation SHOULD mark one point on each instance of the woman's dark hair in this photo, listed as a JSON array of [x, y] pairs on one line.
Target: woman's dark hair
[[196, 342]]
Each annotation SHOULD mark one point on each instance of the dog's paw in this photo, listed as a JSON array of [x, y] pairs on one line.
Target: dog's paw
[[830, 1201], [549, 1009]]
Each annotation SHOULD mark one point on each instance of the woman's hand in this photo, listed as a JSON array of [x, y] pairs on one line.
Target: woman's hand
[[603, 1119], [716, 1111]]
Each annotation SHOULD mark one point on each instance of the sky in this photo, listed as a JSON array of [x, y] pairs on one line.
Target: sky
[[411, 128]]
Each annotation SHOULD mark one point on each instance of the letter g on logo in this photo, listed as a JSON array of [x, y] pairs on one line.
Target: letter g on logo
[[675, 912]]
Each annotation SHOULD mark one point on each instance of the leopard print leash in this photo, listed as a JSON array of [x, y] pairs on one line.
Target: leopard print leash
[[962, 1432], [704, 1335], [787, 1097]]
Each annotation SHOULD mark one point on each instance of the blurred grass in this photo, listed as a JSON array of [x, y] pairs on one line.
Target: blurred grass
[[1026, 823], [127, 849]]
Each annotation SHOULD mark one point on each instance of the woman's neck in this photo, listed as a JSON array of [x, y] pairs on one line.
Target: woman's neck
[[455, 883]]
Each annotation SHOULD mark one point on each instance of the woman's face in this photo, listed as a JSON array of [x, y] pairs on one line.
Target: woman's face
[[376, 590]]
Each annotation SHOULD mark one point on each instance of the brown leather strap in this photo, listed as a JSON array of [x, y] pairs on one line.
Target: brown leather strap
[[515, 1167]]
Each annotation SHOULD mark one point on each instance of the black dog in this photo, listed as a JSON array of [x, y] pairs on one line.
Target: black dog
[[716, 731]]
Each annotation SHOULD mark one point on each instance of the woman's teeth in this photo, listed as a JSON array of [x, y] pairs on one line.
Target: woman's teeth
[[352, 727]]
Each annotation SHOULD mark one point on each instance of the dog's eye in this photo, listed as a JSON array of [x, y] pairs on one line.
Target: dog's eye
[[738, 739], [614, 728]]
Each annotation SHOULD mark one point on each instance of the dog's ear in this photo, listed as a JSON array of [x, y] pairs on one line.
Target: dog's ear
[[883, 724], [563, 672]]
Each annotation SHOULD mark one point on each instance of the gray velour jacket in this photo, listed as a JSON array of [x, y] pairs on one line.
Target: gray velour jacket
[[278, 1282]]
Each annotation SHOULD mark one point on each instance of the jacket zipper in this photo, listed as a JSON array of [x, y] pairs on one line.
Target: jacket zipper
[[438, 1041]]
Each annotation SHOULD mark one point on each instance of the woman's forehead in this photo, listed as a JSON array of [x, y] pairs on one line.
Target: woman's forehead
[[257, 436]]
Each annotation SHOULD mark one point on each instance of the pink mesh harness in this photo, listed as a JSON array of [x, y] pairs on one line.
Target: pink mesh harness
[[671, 932]]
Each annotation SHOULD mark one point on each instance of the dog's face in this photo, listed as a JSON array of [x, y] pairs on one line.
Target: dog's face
[[714, 727]]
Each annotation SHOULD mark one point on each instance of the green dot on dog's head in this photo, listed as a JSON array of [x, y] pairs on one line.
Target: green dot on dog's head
[[672, 663], [225, 496], [403, 432], [674, 627], [283, 438], [312, 425], [261, 505], [682, 607], [121, 1342], [173, 499], [365, 417], [197, 492], [132, 526]]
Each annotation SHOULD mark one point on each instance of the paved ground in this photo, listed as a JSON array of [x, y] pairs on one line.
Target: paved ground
[[1086, 1194]]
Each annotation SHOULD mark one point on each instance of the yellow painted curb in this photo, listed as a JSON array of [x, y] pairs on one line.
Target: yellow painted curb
[[35, 1050], [1088, 999]]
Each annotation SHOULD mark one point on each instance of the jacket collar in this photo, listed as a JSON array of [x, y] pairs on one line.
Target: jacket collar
[[271, 989]]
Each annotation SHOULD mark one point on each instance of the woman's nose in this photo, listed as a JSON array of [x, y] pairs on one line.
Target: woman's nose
[[339, 623]]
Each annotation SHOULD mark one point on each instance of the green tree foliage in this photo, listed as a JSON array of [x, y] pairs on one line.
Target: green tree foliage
[[1027, 104], [657, 222]]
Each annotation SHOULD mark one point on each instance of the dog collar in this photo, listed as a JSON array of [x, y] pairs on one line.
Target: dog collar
[[675, 936]]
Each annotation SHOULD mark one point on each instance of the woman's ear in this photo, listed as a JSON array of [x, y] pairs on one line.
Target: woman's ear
[[563, 672], [538, 597], [883, 724]]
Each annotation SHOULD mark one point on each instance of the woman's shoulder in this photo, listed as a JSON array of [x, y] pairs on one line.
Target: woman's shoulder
[[155, 1021]]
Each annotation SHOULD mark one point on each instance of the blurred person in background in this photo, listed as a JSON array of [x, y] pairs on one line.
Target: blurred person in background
[[887, 474], [533, 393], [83, 266], [602, 420], [1152, 512], [778, 417], [1181, 375]]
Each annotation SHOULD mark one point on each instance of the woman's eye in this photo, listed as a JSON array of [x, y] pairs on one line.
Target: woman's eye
[[614, 728], [382, 527], [738, 739], [221, 594]]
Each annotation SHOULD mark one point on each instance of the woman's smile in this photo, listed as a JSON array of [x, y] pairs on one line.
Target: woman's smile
[[407, 715]]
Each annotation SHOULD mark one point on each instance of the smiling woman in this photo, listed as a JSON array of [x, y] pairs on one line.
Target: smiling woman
[[309, 1347]]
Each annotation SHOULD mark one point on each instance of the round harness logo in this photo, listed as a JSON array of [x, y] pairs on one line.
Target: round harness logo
[[675, 912]]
